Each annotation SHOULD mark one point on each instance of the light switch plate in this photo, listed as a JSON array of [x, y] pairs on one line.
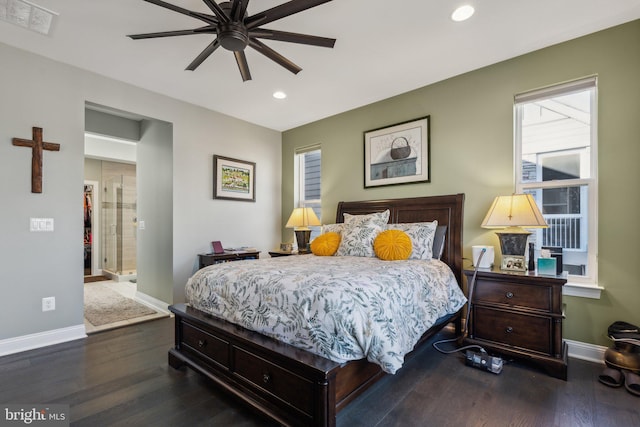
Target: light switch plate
[[41, 224]]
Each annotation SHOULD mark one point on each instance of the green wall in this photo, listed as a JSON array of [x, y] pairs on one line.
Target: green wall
[[472, 153]]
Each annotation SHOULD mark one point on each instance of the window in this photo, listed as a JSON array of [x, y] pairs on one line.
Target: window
[[307, 185], [556, 162]]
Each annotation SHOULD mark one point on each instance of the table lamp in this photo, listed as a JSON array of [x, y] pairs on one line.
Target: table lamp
[[513, 214], [300, 220]]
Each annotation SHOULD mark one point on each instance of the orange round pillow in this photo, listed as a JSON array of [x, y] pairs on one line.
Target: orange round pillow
[[392, 245], [325, 244]]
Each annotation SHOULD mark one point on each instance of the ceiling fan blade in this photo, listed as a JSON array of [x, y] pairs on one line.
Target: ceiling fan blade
[[243, 66], [238, 9], [281, 11], [283, 36], [273, 55], [204, 55], [201, 16], [217, 10], [207, 29]]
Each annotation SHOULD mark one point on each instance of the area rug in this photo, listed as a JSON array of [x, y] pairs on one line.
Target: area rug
[[103, 305]]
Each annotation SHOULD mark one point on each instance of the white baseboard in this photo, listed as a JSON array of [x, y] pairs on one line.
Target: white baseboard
[[41, 339], [585, 351], [576, 349], [152, 302]]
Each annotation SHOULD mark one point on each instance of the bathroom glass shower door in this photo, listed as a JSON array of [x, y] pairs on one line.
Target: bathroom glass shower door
[[119, 225]]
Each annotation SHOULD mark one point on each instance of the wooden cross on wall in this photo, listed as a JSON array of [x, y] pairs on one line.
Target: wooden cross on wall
[[37, 145]]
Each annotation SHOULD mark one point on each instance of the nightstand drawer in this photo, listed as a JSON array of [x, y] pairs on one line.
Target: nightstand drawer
[[513, 294], [518, 330], [285, 385], [204, 344]]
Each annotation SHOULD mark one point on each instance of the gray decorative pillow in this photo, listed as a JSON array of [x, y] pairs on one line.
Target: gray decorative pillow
[[336, 228], [359, 232], [421, 234]]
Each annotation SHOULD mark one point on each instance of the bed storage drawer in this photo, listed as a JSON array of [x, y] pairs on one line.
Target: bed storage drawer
[[290, 385], [204, 344], [281, 383], [518, 330]]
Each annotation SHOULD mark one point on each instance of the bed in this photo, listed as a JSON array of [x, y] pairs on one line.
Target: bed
[[289, 384]]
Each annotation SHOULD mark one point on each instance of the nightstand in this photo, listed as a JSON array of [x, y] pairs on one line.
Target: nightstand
[[519, 315], [209, 259]]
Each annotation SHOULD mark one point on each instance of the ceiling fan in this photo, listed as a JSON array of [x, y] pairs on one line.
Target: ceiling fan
[[235, 31]]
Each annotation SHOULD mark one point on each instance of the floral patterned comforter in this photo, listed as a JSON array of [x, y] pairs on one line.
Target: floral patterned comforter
[[340, 307]]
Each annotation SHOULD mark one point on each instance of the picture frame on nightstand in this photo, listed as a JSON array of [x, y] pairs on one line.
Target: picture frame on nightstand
[[286, 247], [217, 247], [513, 263]]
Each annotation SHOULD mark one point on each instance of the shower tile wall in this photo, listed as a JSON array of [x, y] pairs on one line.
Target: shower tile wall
[[120, 219]]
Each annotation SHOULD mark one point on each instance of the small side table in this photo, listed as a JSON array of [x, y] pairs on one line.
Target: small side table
[[209, 259], [519, 315]]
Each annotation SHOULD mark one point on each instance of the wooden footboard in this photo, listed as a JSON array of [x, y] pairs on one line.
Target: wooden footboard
[[289, 385]]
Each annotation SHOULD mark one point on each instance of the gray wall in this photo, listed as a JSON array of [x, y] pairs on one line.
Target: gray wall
[[155, 207], [106, 124], [472, 153], [39, 92]]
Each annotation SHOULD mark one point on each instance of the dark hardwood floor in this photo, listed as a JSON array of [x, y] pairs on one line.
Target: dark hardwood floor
[[121, 377]]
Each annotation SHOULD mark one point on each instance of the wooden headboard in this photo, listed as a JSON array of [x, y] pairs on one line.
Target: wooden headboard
[[448, 210]]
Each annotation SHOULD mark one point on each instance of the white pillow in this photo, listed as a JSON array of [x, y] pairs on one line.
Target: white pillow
[[421, 234], [336, 228], [359, 232]]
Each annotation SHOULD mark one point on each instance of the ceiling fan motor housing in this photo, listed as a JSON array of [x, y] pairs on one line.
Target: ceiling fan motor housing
[[233, 35]]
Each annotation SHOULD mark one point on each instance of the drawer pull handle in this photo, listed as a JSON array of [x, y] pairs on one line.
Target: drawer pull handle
[[266, 378], [202, 343], [509, 329], [509, 295]]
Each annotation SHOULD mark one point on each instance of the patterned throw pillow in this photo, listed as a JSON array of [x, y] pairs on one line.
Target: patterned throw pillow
[[392, 245], [332, 228], [359, 231], [421, 234], [325, 244]]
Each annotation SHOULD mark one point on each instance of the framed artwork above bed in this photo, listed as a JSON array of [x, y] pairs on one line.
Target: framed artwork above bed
[[234, 179], [398, 154]]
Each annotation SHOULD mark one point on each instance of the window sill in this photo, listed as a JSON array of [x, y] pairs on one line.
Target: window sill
[[582, 290]]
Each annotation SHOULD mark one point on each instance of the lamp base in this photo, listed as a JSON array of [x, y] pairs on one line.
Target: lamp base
[[302, 237], [513, 246], [513, 243]]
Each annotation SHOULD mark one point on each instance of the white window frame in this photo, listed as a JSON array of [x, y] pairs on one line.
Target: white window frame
[[298, 185], [584, 286]]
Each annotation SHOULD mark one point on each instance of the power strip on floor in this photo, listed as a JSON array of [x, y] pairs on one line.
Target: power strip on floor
[[483, 361]]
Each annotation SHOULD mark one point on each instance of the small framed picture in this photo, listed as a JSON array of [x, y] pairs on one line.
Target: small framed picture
[[234, 179], [217, 247], [286, 247], [513, 263]]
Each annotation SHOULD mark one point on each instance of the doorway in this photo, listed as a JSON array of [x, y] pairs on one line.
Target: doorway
[[130, 158]]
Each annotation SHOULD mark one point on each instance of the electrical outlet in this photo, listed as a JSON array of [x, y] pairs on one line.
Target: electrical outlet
[[48, 304]]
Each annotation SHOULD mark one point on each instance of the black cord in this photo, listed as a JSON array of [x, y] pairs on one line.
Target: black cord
[[466, 320]]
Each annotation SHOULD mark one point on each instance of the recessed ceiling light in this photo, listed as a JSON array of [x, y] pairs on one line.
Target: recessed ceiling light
[[279, 95], [462, 13]]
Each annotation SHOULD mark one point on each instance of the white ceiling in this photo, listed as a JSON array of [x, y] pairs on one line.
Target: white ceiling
[[383, 48]]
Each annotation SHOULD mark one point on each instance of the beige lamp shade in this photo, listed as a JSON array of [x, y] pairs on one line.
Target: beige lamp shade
[[517, 210], [302, 218]]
